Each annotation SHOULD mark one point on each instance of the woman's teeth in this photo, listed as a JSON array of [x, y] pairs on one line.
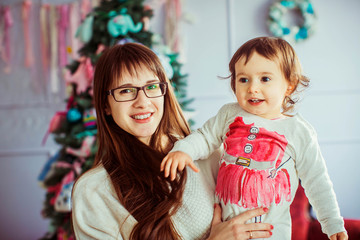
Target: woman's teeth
[[142, 116]]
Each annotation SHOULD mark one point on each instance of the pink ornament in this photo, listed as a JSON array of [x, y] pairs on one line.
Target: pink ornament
[[85, 149], [100, 49], [82, 77], [55, 123]]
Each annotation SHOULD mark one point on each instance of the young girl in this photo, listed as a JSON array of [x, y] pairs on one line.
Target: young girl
[[267, 150], [125, 196]]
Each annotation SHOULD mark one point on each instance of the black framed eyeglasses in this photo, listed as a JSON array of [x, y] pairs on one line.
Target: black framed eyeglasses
[[151, 90]]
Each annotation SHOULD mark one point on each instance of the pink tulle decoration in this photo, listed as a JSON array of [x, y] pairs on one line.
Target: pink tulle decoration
[[62, 25], [8, 22], [29, 55], [85, 8], [44, 14], [252, 177], [251, 188]]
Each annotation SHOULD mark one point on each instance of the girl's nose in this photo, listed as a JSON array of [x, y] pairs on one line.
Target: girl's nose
[[253, 88], [141, 100]]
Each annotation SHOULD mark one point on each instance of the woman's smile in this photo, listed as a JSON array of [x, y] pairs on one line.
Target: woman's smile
[[142, 117]]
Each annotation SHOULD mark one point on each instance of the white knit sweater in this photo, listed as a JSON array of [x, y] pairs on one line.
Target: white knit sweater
[[97, 213]]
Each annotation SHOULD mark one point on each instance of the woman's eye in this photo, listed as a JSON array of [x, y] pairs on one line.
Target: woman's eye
[[152, 87], [126, 91], [265, 79], [243, 80]]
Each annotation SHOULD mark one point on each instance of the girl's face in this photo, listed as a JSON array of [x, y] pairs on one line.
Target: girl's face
[[260, 86], [139, 117]]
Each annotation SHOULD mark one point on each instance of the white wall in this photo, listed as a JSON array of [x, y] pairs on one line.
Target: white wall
[[330, 58]]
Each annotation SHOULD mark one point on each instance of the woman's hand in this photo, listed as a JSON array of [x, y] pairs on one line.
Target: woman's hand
[[176, 161], [236, 228], [339, 236]]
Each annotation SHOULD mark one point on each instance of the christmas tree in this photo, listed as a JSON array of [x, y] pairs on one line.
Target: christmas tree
[[112, 22]]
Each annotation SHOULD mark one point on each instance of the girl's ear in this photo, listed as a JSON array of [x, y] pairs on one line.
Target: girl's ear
[[290, 90]]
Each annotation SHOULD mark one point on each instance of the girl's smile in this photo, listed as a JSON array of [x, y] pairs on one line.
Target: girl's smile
[[255, 102]]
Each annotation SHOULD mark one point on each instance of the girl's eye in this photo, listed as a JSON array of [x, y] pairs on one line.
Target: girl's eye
[[243, 80], [265, 79]]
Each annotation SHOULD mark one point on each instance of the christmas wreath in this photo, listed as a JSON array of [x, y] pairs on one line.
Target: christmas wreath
[[280, 28]]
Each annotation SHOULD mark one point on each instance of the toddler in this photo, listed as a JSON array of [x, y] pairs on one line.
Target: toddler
[[266, 150]]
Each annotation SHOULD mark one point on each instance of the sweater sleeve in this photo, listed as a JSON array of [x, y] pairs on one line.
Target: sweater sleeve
[[205, 140], [97, 213], [318, 187]]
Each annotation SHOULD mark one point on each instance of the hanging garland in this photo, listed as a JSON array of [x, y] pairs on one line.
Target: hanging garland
[[278, 26]]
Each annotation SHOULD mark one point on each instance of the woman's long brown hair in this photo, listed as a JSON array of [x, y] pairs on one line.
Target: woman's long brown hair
[[133, 166]]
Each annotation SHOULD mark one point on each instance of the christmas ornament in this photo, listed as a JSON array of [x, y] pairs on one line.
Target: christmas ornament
[[165, 62], [122, 23], [82, 77], [47, 169], [73, 115], [63, 197], [280, 28], [55, 123], [84, 32], [89, 118], [85, 149], [63, 201]]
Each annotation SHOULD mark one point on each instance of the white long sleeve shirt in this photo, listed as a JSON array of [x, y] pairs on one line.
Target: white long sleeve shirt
[[98, 214], [262, 164]]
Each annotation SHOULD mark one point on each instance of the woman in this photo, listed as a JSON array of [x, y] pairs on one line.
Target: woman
[[125, 196]]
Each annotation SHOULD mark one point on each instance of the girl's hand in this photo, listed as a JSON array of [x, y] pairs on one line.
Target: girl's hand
[[236, 228], [339, 236], [176, 161]]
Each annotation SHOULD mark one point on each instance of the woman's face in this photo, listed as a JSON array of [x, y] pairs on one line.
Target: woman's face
[[139, 117]]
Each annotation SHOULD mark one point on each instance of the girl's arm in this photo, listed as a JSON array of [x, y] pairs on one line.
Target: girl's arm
[[315, 179], [176, 161], [206, 139], [198, 145]]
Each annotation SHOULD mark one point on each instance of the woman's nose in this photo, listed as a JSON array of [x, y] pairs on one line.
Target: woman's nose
[[141, 99]]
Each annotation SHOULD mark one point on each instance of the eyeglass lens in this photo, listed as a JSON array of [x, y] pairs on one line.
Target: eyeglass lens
[[130, 93]]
